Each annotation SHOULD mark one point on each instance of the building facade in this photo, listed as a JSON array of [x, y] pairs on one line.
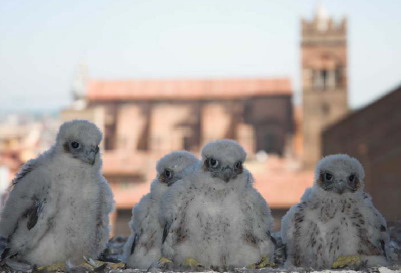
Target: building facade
[[142, 120], [165, 115]]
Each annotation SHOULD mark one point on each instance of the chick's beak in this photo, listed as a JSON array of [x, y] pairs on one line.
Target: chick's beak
[[340, 187], [227, 174], [91, 153]]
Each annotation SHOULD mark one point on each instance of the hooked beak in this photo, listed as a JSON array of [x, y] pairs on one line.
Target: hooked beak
[[227, 174], [90, 154], [340, 187]]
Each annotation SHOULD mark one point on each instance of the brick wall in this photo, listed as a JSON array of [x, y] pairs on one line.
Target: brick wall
[[373, 135]]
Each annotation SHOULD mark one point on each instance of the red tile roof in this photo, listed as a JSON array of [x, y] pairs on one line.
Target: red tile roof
[[119, 163], [127, 197], [101, 90], [280, 181], [280, 191], [279, 185], [283, 190]]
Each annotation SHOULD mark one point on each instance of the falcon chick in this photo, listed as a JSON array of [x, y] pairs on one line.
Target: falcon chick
[[214, 218], [58, 208], [335, 224], [143, 247]]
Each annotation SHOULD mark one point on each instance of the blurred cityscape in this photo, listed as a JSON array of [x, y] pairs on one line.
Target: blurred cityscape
[[144, 119]]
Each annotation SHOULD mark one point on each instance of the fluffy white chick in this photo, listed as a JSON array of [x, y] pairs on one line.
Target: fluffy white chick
[[335, 224], [214, 218], [58, 208], [143, 247]]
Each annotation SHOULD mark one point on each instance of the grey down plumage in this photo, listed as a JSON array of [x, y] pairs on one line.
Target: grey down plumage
[[335, 218], [143, 247], [58, 208], [215, 215]]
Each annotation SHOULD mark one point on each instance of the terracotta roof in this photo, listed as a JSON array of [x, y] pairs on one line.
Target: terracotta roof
[[280, 182], [283, 190], [119, 163], [127, 197], [100, 90], [279, 185], [280, 191]]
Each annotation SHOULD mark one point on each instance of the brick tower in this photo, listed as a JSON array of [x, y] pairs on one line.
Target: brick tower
[[324, 79]]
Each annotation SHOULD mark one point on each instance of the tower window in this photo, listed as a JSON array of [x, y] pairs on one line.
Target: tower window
[[316, 79], [321, 79], [324, 79], [338, 76]]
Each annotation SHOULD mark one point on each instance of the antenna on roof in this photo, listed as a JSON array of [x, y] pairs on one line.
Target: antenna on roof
[[79, 84]]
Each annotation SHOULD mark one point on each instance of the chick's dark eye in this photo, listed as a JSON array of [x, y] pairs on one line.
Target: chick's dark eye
[[168, 173], [238, 165], [213, 162], [351, 178], [75, 145], [328, 176]]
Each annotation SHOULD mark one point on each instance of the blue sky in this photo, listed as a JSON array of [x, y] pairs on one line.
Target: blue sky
[[43, 42]]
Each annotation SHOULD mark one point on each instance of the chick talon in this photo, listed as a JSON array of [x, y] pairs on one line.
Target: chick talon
[[164, 260], [87, 266], [92, 264], [120, 265], [57, 267], [191, 262], [343, 261], [264, 262]]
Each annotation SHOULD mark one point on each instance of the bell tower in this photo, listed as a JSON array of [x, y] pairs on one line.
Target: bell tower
[[324, 79]]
